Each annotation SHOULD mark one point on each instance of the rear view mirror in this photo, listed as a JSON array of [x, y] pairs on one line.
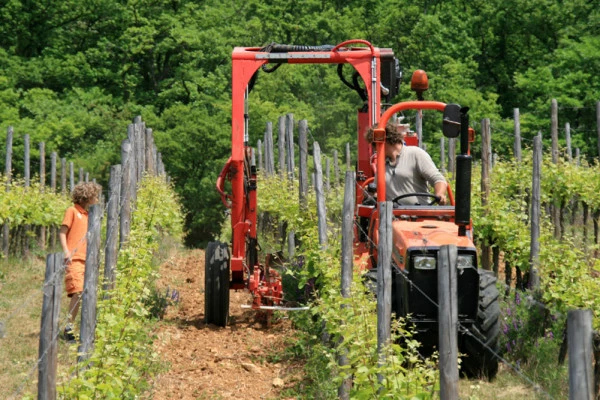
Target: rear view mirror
[[451, 123]]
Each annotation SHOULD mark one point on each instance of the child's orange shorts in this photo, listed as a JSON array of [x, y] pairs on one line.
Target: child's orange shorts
[[74, 277]]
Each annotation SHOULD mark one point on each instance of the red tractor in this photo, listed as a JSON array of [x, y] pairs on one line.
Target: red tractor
[[418, 231]]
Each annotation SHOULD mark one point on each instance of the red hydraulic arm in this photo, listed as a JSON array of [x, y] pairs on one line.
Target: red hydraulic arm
[[245, 63]]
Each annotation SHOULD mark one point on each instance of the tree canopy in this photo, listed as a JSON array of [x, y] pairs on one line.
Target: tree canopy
[[73, 74]]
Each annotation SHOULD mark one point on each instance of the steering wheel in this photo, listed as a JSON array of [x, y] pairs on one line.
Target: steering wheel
[[436, 199]]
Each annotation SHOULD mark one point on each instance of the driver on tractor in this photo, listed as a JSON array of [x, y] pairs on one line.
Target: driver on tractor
[[409, 169]]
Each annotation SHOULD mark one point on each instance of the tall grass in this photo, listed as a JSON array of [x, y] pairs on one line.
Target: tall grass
[[21, 296]]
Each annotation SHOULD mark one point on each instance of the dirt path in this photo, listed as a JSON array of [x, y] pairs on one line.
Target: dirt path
[[206, 361]]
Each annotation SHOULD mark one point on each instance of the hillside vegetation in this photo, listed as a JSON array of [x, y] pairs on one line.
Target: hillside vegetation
[[71, 73]]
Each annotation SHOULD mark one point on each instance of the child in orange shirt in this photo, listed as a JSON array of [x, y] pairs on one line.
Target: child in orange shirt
[[73, 240]]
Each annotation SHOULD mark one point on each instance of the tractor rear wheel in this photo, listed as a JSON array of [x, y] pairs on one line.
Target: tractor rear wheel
[[481, 342], [216, 284]]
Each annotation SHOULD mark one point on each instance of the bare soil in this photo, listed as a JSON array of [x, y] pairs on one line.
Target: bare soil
[[243, 360], [210, 362]]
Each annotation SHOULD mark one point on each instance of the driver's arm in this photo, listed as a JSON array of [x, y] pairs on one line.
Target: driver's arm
[[433, 175], [440, 189]]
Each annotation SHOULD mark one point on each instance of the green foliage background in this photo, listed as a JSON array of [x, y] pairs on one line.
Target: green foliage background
[[73, 74]]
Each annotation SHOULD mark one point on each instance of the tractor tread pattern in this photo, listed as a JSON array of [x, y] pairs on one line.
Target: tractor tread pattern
[[480, 360]]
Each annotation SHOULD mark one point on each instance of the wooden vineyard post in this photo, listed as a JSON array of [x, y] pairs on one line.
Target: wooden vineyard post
[[26, 161], [291, 245], [49, 330], [336, 169], [266, 147], [495, 260], [289, 142], [27, 175], [419, 127], [281, 145], [89, 297], [596, 350], [452, 157], [384, 280], [303, 162], [554, 133], [348, 233], [448, 322], [348, 157], [579, 338], [259, 147], [112, 227], [132, 162], [321, 214], [347, 260], [321, 210], [327, 175], [125, 192], [271, 151], [71, 177], [535, 212], [8, 176], [443, 155], [154, 154], [149, 153], [63, 176], [568, 139], [42, 167], [554, 130], [53, 160], [42, 238], [139, 127], [160, 166]]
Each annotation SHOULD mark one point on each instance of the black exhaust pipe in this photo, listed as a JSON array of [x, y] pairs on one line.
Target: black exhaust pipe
[[464, 165]]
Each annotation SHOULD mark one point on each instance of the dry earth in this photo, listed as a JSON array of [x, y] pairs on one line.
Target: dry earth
[[210, 362]]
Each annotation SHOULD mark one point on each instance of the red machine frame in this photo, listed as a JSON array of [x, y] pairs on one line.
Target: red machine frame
[[245, 63]]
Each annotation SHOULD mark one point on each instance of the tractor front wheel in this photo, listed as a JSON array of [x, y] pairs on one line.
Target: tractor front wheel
[[481, 342], [216, 284]]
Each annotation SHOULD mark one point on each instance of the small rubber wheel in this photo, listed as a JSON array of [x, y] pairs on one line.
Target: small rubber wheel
[[216, 284]]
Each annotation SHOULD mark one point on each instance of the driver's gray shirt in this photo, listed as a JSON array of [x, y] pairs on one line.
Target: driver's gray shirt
[[411, 173]]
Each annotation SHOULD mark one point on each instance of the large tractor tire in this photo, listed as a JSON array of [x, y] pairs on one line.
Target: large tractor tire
[[216, 284], [482, 342]]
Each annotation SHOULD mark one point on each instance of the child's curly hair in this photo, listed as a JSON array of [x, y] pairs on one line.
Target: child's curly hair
[[393, 134], [85, 192]]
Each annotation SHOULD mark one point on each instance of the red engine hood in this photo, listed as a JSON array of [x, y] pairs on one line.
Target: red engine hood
[[425, 234]]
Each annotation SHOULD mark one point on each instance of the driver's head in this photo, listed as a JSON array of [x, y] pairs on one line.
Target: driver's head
[[394, 133]]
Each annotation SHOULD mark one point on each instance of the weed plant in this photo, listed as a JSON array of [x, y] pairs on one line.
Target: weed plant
[[158, 301], [531, 340]]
